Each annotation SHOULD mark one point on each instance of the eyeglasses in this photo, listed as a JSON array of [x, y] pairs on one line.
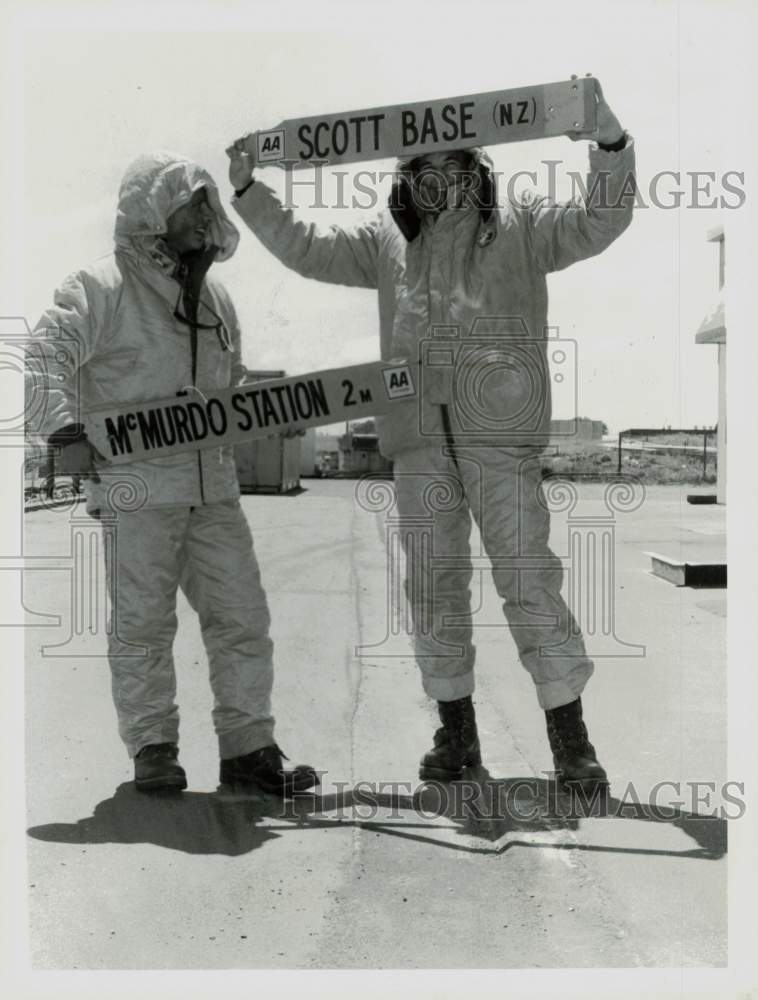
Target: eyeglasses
[[207, 319]]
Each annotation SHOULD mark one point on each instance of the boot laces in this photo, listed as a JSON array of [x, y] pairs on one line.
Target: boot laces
[[159, 750], [442, 737], [572, 739], [272, 755]]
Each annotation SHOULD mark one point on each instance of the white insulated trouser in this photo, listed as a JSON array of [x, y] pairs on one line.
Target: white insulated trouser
[[438, 491], [208, 551]]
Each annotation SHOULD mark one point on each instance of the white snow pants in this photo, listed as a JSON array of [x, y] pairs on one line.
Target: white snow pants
[[437, 494], [208, 551]]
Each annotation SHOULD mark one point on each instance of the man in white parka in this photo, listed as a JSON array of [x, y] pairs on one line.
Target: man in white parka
[[448, 263], [146, 322]]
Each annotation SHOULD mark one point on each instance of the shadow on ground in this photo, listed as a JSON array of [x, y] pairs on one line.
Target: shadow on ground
[[296, 491], [480, 808]]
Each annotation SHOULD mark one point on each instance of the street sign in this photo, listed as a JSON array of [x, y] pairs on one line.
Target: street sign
[[425, 127], [128, 432]]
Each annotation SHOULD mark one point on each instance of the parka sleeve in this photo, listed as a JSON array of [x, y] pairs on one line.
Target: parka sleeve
[[564, 233], [337, 256], [62, 341], [239, 371]]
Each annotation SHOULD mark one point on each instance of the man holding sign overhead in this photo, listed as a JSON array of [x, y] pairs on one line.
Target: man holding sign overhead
[[462, 291]]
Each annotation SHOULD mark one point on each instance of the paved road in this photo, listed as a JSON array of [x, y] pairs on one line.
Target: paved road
[[374, 872]]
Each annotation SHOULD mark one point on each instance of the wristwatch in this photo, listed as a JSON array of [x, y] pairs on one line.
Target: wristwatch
[[238, 194], [68, 434], [613, 147]]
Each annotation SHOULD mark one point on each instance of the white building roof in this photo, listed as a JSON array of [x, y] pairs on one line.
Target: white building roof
[[713, 328]]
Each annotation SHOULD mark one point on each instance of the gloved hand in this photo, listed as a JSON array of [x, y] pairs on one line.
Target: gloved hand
[[608, 130], [241, 162], [78, 456]]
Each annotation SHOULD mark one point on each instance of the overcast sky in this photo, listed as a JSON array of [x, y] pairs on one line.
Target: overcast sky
[[99, 90]]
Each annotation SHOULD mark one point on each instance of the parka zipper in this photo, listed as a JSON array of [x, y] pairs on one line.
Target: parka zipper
[[183, 274], [193, 345], [192, 283]]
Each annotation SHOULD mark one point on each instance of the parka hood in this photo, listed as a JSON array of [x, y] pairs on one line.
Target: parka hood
[[401, 205], [154, 186]]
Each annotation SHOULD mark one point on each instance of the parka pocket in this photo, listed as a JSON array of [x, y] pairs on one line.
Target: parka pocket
[[112, 373], [214, 366]]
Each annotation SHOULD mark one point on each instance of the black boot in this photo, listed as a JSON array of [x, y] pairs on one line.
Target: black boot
[[156, 766], [573, 755], [456, 744], [264, 768]]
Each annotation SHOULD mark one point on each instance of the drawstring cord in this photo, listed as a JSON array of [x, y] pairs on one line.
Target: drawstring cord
[[193, 388]]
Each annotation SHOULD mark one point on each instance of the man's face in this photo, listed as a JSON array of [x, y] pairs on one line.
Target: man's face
[[436, 174], [187, 228]]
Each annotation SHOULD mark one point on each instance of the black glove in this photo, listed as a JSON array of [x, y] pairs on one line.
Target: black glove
[[78, 456]]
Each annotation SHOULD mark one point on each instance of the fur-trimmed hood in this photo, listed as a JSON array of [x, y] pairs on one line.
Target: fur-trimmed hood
[[401, 201]]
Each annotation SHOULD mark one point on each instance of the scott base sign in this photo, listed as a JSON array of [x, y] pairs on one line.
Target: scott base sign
[[425, 127]]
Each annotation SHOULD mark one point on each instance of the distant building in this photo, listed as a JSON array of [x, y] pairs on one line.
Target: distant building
[[359, 454], [577, 429], [327, 462], [308, 455], [39, 468], [268, 465], [713, 331], [327, 454]]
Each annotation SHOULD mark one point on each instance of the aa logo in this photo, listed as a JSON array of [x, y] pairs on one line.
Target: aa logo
[[398, 382], [271, 145]]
